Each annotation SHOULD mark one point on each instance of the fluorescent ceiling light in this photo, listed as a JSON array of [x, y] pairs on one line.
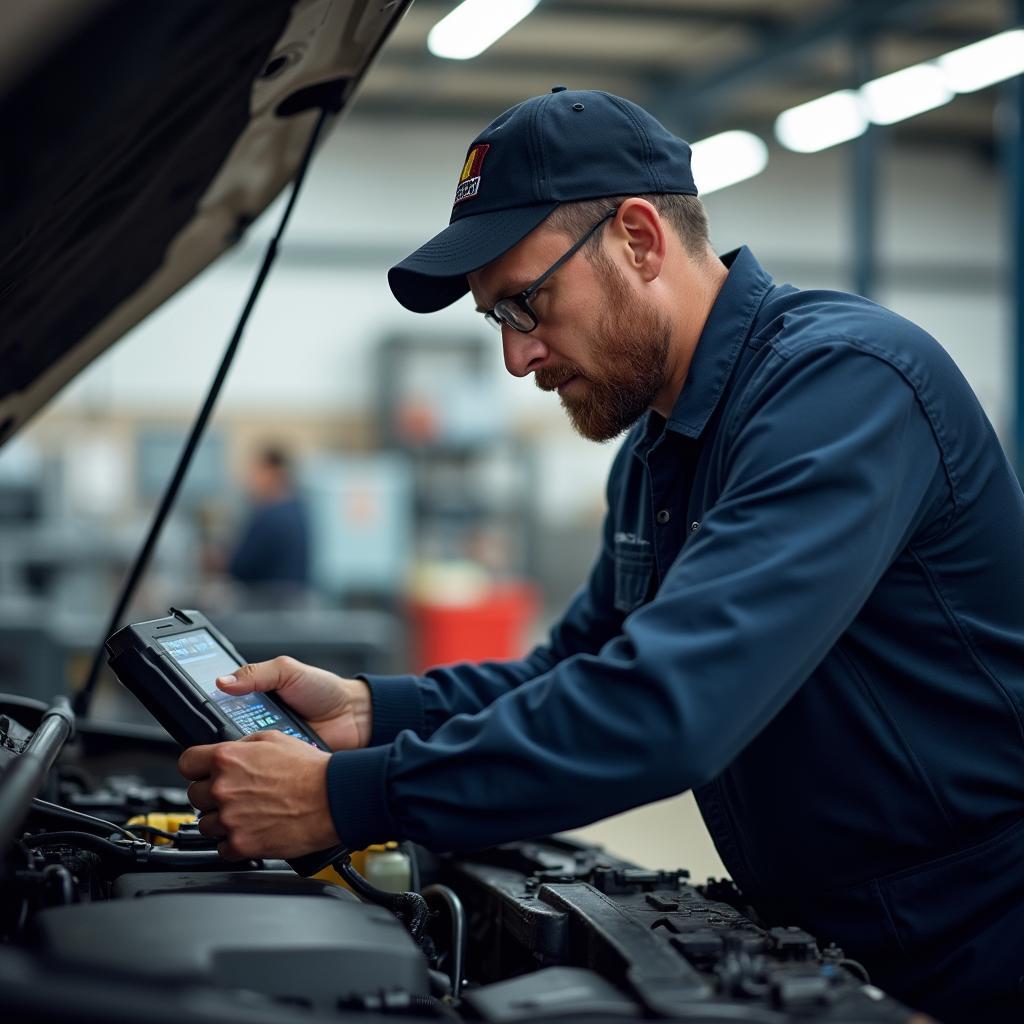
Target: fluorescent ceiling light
[[468, 30], [905, 93], [827, 121], [985, 62], [724, 159]]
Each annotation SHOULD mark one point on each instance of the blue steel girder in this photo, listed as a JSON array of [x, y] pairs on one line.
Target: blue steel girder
[[685, 101]]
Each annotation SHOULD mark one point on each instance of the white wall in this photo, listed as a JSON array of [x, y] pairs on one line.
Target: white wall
[[376, 192]]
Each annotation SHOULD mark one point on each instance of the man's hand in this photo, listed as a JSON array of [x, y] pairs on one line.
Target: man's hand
[[263, 796], [338, 709]]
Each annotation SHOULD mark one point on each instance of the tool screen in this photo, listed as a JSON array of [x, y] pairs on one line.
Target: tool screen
[[202, 659]]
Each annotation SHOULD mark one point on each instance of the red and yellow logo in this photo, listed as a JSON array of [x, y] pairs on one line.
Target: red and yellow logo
[[469, 179]]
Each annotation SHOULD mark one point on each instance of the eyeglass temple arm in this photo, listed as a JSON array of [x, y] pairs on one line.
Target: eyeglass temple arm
[[532, 290]]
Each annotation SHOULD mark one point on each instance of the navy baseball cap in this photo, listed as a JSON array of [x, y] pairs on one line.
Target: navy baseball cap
[[563, 146]]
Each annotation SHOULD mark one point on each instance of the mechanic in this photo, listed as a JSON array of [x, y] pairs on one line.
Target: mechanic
[[808, 604], [271, 555]]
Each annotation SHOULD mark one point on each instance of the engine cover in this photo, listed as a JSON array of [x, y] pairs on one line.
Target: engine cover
[[303, 950]]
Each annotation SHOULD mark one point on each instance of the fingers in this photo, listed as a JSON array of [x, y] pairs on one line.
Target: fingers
[[228, 851], [259, 677], [210, 825], [268, 736], [200, 796], [197, 762]]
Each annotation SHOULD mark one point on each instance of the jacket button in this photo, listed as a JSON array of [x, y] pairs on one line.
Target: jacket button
[[663, 516], [694, 526]]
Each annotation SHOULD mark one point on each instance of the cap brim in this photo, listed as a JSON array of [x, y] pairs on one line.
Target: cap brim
[[434, 276]]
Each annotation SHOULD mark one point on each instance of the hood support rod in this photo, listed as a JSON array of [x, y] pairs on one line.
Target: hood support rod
[[84, 696]]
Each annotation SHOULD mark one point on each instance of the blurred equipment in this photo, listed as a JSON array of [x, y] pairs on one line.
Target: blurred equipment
[[458, 614], [473, 483], [474, 487], [157, 451], [360, 520]]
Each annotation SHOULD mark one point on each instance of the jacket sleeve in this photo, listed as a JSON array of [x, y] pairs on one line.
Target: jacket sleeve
[[828, 473], [423, 703]]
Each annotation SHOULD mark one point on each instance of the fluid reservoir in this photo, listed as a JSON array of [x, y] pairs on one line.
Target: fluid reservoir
[[388, 869], [383, 865]]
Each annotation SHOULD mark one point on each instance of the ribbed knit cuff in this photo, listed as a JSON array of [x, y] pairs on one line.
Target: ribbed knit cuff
[[357, 795], [397, 705]]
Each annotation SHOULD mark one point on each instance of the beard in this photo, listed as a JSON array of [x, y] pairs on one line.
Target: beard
[[629, 365]]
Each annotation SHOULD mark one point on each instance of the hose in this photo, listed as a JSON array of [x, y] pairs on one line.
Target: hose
[[458, 918]]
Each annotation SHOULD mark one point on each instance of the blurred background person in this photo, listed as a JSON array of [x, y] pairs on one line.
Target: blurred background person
[[272, 550]]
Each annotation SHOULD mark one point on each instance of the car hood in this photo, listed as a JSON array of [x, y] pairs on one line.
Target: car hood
[[142, 140]]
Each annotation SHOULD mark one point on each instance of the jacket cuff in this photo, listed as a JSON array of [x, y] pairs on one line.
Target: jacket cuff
[[357, 796], [397, 705]]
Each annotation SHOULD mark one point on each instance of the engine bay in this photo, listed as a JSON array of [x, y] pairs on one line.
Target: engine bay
[[105, 914]]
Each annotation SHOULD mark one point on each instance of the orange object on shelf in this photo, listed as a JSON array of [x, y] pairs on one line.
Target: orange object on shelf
[[495, 625]]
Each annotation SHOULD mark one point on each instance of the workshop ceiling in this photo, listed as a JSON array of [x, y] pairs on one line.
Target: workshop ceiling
[[701, 65]]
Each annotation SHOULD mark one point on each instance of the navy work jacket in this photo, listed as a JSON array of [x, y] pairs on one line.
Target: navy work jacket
[[274, 546], [808, 607]]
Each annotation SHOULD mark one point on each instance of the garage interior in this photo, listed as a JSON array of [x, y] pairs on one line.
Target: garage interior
[[451, 510]]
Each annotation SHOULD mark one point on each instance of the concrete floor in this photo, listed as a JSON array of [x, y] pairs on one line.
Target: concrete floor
[[668, 834]]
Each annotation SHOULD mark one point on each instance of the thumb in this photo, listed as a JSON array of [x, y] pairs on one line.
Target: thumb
[[254, 678]]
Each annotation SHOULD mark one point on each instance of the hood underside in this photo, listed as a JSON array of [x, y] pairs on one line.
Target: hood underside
[[143, 139]]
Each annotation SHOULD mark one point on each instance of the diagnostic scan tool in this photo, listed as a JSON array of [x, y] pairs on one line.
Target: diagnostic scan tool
[[172, 665]]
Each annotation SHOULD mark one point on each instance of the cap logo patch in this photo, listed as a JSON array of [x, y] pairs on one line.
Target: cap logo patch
[[469, 179]]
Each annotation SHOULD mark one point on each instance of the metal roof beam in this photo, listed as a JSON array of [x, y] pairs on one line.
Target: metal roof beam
[[918, 132], [779, 53], [568, 67], [754, 20]]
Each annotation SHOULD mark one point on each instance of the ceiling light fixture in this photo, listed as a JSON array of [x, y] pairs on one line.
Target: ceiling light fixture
[[727, 158], [905, 93], [826, 121], [474, 25], [844, 115], [984, 63]]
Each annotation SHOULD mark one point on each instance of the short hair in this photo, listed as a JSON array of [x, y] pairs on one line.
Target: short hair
[[274, 457], [685, 214]]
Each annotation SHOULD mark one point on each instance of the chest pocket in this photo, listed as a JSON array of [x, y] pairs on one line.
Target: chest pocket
[[633, 564]]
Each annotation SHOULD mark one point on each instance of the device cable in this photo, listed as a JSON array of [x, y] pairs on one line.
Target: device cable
[[84, 695], [409, 907]]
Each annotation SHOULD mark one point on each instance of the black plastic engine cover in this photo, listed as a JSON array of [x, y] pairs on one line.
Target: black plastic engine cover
[[312, 952], [137, 885], [552, 993]]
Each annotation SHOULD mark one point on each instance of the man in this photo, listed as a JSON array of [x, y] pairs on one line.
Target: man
[[808, 604], [272, 550]]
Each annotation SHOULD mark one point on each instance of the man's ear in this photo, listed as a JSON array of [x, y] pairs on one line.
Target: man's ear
[[640, 229]]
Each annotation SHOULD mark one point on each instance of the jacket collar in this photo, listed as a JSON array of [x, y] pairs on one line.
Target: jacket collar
[[728, 326]]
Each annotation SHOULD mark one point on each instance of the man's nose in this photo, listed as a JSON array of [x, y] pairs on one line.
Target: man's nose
[[524, 353]]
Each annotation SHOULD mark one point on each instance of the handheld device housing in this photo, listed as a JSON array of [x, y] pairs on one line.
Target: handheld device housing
[[171, 665]]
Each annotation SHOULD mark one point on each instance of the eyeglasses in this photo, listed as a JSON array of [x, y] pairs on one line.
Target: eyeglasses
[[515, 311]]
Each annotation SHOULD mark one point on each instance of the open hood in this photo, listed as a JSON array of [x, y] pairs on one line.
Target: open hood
[[141, 140]]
